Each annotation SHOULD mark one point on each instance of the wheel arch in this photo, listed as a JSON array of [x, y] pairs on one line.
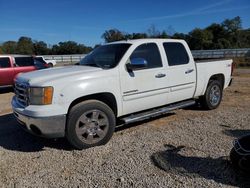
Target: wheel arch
[[219, 77], [107, 98]]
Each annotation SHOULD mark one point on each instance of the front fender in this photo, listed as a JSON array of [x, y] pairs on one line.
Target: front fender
[[81, 88]]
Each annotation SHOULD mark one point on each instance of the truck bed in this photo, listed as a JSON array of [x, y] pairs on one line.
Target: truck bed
[[207, 68]]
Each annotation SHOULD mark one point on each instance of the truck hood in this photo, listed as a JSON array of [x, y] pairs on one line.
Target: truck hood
[[48, 75]]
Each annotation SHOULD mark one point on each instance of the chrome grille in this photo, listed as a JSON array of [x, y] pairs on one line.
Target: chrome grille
[[21, 92]]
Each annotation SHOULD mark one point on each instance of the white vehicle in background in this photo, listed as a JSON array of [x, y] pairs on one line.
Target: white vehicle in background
[[125, 81], [49, 62]]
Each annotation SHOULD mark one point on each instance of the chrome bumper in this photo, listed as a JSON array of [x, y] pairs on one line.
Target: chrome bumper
[[50, 127], [45, 126]]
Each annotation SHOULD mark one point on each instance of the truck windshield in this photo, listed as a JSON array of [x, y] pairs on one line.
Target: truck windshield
[[106, 57]]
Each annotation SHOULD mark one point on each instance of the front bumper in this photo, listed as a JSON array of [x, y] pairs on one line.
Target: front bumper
[[48, 126]]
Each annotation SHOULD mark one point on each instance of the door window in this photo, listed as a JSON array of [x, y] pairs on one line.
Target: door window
[[24, 61], [150, 53], [4, 62], [176, 53]]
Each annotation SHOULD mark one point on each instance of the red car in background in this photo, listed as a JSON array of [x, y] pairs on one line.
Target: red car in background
[[11, 65]]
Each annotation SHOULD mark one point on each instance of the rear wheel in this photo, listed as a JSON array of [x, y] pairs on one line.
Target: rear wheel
[[50, 65], [213, 95], [90, 123]]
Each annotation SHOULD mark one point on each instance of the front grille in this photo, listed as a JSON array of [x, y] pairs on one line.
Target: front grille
[[21, 91]]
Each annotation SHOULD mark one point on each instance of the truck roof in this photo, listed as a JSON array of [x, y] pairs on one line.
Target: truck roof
[[133, 41]]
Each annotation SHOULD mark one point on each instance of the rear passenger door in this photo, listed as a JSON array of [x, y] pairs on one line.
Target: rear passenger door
[[181, 72], [6, 71]]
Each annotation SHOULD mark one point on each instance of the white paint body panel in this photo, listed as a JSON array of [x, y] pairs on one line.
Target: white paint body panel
[[132, 93], [207, 69]]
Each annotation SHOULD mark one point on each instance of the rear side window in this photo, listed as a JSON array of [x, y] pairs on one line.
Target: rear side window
[[24, 61], [176, 53], [150, 53], [4, 62]]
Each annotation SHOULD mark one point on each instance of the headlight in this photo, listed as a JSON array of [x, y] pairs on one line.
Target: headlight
[[40, 95]]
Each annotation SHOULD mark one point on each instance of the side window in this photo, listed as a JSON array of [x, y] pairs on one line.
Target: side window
[[4, 62], [176, 53], [24, 61], [150, 53]]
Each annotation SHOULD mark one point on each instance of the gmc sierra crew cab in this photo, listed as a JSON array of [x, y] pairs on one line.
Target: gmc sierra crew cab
[[124, 81]]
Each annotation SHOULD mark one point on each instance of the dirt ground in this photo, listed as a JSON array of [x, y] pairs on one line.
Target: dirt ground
[[185, 148]]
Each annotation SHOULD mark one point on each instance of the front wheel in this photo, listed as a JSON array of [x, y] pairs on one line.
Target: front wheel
[[213, 95], [90, 123]]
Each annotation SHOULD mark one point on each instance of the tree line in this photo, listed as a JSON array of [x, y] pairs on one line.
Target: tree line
[[228, 34], [225, 35], [26, 45]]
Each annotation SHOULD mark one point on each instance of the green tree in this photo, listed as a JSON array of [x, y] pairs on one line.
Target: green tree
[[136, 36], [9, 47], [244, 39], [164, 35], [221, 38], [200, 39], [232, 25], [222, 43], [180, 36], [70, 47], [113, 35], [40, 48], [25, 46]]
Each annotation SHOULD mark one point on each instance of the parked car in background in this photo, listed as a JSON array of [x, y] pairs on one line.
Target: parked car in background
[[49, 62], [40, 65], [12, 65]]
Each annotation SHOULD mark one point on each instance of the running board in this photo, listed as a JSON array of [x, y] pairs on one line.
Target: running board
[[156, 112]]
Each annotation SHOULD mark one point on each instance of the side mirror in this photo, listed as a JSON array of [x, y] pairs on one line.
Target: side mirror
[[136, 63]]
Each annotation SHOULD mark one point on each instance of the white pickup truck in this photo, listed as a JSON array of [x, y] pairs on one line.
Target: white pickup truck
[[124, 81]]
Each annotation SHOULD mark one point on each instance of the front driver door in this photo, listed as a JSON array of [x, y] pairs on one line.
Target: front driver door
[[144, 88]]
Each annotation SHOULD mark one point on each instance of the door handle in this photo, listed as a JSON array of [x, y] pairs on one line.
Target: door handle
[[189, 71], [160, 75]]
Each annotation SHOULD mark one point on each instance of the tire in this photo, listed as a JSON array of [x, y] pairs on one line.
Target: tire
[[213, 95], [240, 163], [50, 65], [90, 123]]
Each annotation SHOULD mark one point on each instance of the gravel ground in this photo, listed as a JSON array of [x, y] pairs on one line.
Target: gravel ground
[[186, 148]]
